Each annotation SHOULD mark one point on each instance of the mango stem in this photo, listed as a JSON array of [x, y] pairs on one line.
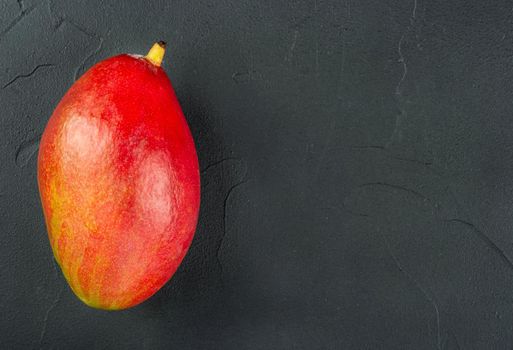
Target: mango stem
[[156, 53]]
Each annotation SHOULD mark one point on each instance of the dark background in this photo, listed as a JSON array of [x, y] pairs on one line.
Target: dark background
[[357, 173]]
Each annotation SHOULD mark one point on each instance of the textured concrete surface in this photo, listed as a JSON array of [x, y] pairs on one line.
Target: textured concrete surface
[[357, 173]]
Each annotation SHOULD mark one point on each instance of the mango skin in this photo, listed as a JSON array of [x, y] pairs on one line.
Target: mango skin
[[119, 182]]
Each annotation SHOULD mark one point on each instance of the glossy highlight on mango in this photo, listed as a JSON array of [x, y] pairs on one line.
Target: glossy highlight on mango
[[119, 181]]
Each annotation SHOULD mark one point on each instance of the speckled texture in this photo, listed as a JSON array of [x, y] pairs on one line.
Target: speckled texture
[[357, 173]]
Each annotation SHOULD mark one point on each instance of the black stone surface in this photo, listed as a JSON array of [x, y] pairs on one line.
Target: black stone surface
[[357, 173]]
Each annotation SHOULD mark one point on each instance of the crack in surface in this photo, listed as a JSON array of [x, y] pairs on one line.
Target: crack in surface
[[64, 19], [487, 240], [384, 149], [246, 76], [397, 187], [26, 151], [422, 289], [57, 19], [61, 19], [345, 209], [88, 57], [24, 76], [481, 234], [47, 315], [225, 203], [412, 160], [209, 166], [331, 120], [23, 13], [398, 89]]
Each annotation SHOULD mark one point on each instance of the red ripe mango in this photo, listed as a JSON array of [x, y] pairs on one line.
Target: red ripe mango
[[119, 181]]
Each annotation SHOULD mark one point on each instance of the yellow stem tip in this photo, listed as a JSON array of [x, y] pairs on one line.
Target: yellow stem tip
[[156, 53]]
